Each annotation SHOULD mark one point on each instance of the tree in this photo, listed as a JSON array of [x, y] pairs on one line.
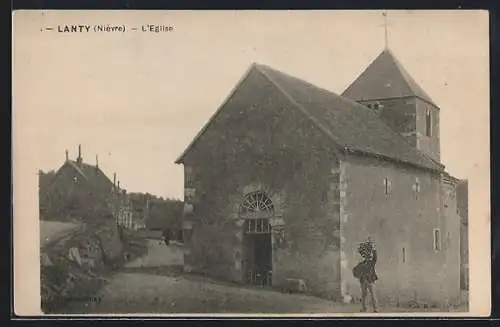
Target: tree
[[44, 179], [165, 214]]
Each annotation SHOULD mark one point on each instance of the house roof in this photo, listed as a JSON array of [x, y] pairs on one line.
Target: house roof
[[91, 173], [350, 125], [446, 177], [385, 78]]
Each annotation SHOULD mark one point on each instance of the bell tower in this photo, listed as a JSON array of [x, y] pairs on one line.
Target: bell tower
[[388, 89]]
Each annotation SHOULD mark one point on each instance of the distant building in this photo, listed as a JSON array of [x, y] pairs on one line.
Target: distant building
[[124, 215], [79, 191], [138, 205], [287, 178]]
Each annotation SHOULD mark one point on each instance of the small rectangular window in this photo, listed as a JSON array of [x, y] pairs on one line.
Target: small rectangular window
[[437, 239], [428, 123], [387, 186], [416, 187]]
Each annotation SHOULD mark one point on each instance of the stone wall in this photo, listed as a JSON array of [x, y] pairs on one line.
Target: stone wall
[[451, 240], [407, 116], [429, 145], [402, 223], [400, 115]]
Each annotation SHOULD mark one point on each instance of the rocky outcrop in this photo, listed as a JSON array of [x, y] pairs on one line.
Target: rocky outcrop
[[76, 265]]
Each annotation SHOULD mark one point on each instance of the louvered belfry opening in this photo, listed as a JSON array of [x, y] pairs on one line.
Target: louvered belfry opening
[[256, 210]]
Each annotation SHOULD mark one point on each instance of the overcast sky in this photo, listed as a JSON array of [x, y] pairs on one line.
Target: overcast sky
[[137, 99]]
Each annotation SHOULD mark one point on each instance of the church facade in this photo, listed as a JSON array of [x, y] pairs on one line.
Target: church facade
[[287, 178]]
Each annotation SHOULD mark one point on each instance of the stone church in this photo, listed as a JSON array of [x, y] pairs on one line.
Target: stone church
[[287, 178]]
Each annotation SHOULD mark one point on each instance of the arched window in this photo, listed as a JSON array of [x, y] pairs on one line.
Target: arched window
[[428, 123], [257, 203]]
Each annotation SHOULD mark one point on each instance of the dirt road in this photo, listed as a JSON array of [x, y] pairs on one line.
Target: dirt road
[[144, 287], [147, 293]]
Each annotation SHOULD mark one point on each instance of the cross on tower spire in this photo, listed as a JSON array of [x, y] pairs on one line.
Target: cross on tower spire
[[386, 39]]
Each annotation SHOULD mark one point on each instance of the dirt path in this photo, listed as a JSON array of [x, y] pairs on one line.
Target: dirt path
[[165, 289], [147, 293]]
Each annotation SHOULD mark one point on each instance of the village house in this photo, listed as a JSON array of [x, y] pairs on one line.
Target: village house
[[80, 191], [137, 205], [125, 215], [287, 178]]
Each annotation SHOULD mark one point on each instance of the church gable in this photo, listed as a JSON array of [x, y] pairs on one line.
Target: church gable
[[385, 78], [257, 118]]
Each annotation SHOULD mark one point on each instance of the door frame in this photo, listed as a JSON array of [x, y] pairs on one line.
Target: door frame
[[248, 273]]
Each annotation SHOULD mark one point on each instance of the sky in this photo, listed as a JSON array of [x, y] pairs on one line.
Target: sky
[[137, 99]]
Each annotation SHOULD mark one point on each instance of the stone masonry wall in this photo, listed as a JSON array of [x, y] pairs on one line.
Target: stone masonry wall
[[429, 145], [401, 223], [407, 116], [261, 142], [399, 114]]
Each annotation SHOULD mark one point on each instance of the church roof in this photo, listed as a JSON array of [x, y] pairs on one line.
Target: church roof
[[350, 125], [385, 78], [353, 126]]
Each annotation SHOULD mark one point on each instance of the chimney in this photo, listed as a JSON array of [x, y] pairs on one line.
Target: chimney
[[67, 156], [96, 161], [114, 179], [118, 185], [79, 159]]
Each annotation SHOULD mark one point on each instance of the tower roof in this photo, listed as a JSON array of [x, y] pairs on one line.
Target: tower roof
[[385, 78]]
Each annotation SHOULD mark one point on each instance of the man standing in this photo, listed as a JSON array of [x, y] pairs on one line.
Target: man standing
[[365, 273]]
